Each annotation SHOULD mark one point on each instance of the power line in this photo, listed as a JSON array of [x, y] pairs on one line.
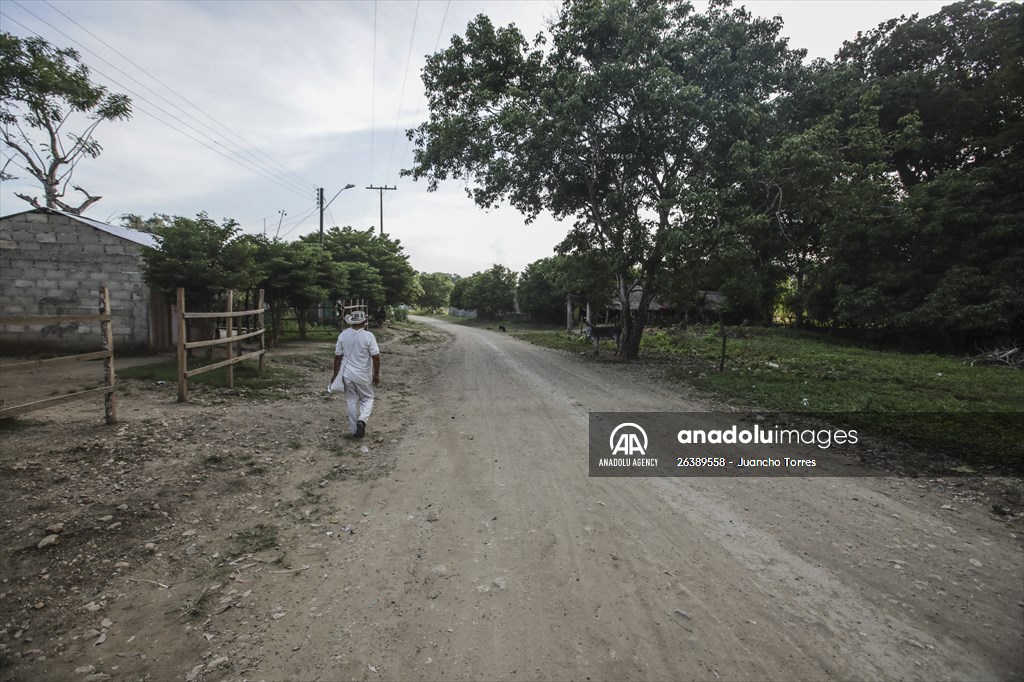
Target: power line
[[419, 103], [373, 88], [291, 184], [302, 220], [185, 99], [135, 107], [401, 98]]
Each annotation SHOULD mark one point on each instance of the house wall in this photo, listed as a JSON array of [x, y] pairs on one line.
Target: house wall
[[53, 265]]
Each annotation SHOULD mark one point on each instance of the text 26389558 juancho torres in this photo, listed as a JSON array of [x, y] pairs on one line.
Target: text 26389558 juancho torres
[[746, 462]]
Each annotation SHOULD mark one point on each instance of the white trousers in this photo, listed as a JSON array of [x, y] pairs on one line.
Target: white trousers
[[359, 401]]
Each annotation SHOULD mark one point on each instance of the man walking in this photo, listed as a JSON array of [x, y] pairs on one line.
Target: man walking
[[356, 370]]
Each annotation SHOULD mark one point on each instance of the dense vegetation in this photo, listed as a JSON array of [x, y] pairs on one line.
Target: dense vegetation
[[877, 193], [206, 259]]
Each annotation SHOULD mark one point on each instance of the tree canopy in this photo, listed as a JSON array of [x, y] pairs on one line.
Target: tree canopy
[[202, 257], [436, 289], [490, 292], [624, 125], [696, 151], [390, 279]]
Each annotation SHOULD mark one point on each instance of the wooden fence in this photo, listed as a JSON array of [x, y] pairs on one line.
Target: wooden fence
[[107, 354], [346, 306], [230, 339]]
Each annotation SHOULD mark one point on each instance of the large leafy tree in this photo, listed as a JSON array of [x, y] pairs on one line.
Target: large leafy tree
[[457, 299], [545, 283], [202, 257], [625, 124], [490, 292], [43, 90], [538, 291], [364, 282], [436, 290], [384, 254], [295, 276], [949, 91], [821, 179]]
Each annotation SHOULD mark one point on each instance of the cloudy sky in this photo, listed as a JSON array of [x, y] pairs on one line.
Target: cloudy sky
[[244, 107]]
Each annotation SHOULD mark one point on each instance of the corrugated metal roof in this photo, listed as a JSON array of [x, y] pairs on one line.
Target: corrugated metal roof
[[142, 238]]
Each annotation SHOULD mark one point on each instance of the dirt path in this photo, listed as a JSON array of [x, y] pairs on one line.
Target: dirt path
[[485, 551], [499, 558]]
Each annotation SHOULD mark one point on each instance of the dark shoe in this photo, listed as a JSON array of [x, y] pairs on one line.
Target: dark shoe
[[360, 429]]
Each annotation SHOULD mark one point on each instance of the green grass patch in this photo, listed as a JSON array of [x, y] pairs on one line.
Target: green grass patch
[[560, 340], [246, 376], [416, 338], [930, 401], [321, 332]]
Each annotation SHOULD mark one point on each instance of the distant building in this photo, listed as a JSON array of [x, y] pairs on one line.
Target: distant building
[[53, 263]]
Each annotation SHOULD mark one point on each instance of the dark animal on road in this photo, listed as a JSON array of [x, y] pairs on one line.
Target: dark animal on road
[[501, 328]]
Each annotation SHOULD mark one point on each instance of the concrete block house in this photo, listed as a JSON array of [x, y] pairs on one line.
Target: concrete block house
[[53, 263]]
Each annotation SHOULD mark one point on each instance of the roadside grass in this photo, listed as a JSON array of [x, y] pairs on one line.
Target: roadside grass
[[929, 401], [328, 333], [319, 332], [246, 376]]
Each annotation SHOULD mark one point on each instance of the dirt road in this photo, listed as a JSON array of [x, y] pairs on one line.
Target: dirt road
[[491, 554], [487, 552]]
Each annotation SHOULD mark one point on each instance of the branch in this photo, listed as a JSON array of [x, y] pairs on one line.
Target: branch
[[4, 175], [90, 200], [31, 200], [36, 169], [81, 143]]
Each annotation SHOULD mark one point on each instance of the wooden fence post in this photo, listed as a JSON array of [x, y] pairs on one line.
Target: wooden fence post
[[228, 324], [182, 386], [259, 325], [721, 330], [106, 326]]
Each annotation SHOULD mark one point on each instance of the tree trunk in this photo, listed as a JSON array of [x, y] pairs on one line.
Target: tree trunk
[[632, 324], [799, 299]]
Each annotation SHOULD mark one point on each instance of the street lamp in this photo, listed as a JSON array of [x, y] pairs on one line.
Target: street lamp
[[323, 208]]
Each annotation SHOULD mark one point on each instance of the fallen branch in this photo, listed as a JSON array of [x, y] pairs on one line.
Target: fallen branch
[[1011, 357], [291, 570], [152, 582]]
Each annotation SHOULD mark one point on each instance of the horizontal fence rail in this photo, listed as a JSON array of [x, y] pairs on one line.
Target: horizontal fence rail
[[107, 355], [230, 339]]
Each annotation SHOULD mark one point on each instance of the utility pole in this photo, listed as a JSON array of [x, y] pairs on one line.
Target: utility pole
[[320, 203], [381, 190], [279, 220]]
